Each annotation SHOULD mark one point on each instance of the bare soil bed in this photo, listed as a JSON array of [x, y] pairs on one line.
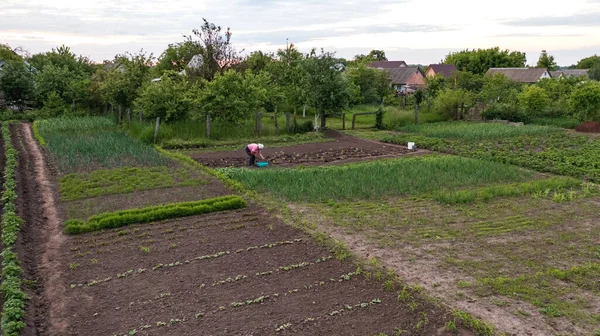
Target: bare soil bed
[[344, 149], [240, 272]]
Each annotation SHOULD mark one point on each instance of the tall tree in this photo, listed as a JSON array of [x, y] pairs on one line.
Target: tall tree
[[257, 61], [594, 72], [547, 61], [588, 62], [373, 84], [478, 61], [129, 73], [326, 88], [16, 83], [374, 55], [177, 56], [585, 101]]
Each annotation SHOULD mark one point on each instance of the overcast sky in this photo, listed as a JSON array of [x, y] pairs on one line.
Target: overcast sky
[[421, 31]]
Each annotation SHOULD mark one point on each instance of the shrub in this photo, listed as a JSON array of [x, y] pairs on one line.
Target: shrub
[[534, 100], [304, 127], [505, 111]]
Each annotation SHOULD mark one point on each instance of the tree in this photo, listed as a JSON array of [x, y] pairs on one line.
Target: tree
[[480, 60], [374, 55], [177, 56], [129, 73], [588, 62], [232, 96], [63, 57], [325, 86], [468, 81], [534, 100], [546, 61], [7, 54], [170, 99], [594, 72], [450, 103], [216, 51], [373, 84], [258, 61], [498, 88], [585, 101], [17, 83]]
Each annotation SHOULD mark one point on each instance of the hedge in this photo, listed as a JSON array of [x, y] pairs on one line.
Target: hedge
[[116, 219]]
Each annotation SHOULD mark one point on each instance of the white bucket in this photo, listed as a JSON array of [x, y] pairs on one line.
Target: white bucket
[[411, 146]]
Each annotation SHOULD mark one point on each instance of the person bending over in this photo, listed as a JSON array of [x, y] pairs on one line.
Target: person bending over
[[252, 150]]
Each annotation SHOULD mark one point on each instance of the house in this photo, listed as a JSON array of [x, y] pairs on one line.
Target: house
[[406, 79], [523, 75], [569, 73], [387, 64], [447, 70]]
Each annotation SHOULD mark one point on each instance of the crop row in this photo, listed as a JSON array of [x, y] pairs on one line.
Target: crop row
[[558, 153], [116, 219], [263, 298], [186, 262], [13, 308]]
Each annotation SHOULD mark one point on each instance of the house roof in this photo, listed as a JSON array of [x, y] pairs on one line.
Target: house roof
[[569, 73], [387, 64], [401, 75], [445, 69], [524, 75]]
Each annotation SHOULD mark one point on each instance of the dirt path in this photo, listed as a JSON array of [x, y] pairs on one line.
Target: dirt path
[[48, 238]]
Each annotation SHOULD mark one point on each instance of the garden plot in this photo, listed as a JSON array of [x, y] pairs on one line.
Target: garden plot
[[343, 150]]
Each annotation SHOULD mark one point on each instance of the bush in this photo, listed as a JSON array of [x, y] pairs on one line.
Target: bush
[[304, 127], [151, 214], [504, 111], [534, 100]]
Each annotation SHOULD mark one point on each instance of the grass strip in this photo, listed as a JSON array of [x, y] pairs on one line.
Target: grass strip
[[36, 133], [155, 213], [124, 180], [476, 131], [372, 180], [14, 297], [504, 190]]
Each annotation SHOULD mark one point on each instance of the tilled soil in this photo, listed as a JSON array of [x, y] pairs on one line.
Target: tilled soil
[[241, 272], [344, 149]]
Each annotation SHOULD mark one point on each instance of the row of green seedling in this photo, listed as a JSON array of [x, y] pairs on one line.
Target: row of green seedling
[[111, 220], [14, 297]]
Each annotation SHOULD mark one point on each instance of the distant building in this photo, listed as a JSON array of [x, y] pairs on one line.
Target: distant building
[[406, 79], [447, 70], [523, 75], [569, 73], [387, 64]]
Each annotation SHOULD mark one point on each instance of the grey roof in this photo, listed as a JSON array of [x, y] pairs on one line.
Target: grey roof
[[387, 64], [445, 69], [524, 75], [569, 73], [401, 75]]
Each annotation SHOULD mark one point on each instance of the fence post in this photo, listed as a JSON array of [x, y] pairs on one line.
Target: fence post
[[353, 120], [129, 115], [259, 122], [403, 101], [343, 121], [416, 114], [276, 125], [156, 128], [304, 111], [208, 126], [120, 108], [287, 122]]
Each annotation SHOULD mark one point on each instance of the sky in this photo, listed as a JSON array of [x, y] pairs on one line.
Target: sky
[[418, 32]]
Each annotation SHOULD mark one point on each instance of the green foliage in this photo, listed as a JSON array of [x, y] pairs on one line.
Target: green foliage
[[177, 56], [373, 84], [53, 106], [505, 111], [554, 152], [374, 55], [500, 89], [13, 309], [129, 73], [547, 61], [86, 143], [257, 61], [594, 72], [36, 133], [232, 96], [124, 180], [170, 98], [151, 214], [407, 176], [585, 101], [17, 83], [480, 60], [449, 102], [480, 327], [7, 54], [469, 81], [504, 190], [534, 100], [379, 118], [588, 62], [475, 131], [564, 122]]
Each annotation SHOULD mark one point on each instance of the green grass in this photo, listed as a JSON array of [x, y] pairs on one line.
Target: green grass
[[504, 190], [88, 143], [155, 213], [220, 145], [406, 176], [476, 131], [566, 122], [124, 180]]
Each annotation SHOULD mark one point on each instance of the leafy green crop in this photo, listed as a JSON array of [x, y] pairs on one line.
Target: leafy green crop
[[150, 214], [476, 131]]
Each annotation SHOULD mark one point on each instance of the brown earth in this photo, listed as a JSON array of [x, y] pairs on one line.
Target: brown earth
[[589, 127], [152, 279], [344, 149]]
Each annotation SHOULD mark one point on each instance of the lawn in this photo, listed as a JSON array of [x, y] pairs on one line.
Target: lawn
[[405, 176], [476, 131]]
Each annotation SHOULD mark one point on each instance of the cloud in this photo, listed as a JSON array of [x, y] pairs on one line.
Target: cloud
[[582, 19]]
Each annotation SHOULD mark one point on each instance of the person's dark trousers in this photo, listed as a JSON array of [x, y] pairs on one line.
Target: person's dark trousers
[[251, 157]]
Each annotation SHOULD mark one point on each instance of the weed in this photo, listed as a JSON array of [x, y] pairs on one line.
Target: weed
[[389, 285], [173, 245], [340, 250], [464, 284], [94, 261], [480, 327], [145, 249], [404, 295], [451, 326], [74, 266], [551, 310]]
